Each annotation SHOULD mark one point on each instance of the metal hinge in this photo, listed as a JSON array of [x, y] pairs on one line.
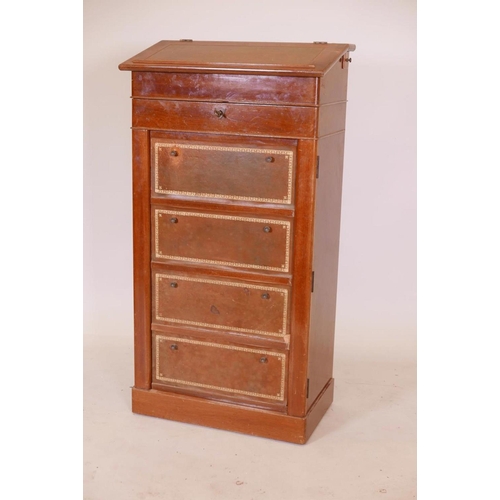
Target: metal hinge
[[312, 282], [344, 60], [185, 40], [322, 43], [317, 167], [307, 388]]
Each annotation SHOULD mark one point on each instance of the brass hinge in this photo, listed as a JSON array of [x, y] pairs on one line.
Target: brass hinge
[[317, 167], [307, 388], [312, 282]]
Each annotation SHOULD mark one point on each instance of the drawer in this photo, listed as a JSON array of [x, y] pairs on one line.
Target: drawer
[[226, 88], [243, 119], [221, 304], [224, 240], [222, 171], [229, 369]]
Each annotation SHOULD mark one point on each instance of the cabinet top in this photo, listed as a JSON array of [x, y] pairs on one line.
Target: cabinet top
[[269, 58]]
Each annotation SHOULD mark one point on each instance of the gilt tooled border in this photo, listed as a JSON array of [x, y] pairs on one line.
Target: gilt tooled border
[[282, 357], [289, 154], [286, 224], [283, 291]]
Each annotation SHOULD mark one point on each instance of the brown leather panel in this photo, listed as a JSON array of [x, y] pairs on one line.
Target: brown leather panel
[[222, 367], [221, 304], [225, 88], [218, 170], [225, 240]]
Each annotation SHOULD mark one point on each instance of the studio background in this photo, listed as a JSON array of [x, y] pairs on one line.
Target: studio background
[[376, 305]]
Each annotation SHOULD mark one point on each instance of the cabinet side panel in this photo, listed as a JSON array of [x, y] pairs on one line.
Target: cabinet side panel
[[333, 86], [142, 274], [325, 263], [302, 276], [332, 89]]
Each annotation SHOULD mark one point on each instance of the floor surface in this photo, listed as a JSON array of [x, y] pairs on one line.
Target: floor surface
[[364, 448]]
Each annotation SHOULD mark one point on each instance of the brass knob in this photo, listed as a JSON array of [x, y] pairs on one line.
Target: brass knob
[[270, 159], [267, 229], [173, 284], [263, 359], [174, 153], [220, 113], [174, 220], [174, 347], [265, 296]]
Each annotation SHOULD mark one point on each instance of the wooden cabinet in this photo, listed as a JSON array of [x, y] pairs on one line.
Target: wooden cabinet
[[237, 180]]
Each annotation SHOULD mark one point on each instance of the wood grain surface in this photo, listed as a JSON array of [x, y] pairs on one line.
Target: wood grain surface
[[241, 119], [236, 232], [259, 89], [142, 274], [271, 58], [327, 230]]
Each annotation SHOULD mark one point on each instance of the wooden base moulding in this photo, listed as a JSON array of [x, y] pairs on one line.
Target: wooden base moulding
[[237, 418]]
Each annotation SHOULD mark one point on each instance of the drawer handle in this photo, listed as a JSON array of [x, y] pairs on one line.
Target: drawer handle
[[174, 220], [220, 113], [263, 359], [173, 284], [267, 229], [265, 296], [174, 153], [174, 347], [270, 159]]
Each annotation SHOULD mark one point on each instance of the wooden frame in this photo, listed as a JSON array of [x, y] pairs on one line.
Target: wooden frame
[[309, 120]]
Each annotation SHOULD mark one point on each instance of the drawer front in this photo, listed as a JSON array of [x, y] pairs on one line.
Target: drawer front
[[220, 304], [224, 240], [230, 369], [227, 88], [220, 171], [243, 119]]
